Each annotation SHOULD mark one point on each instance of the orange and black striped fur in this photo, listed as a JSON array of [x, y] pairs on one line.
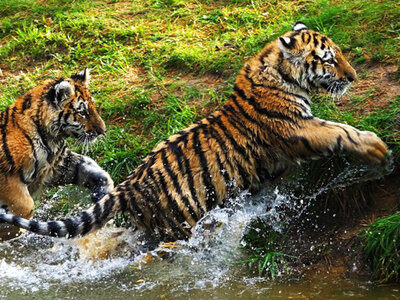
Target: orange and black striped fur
[[33, 153], [263, 128]]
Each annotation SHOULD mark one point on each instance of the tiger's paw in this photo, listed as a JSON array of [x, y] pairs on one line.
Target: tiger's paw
[[373, 149], [104, 186]]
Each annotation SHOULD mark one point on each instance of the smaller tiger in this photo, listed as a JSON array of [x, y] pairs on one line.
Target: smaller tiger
[[33, 151]]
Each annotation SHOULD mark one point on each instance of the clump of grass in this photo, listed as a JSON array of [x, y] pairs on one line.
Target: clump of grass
[[366, 29], [265, 250], [381, 245]]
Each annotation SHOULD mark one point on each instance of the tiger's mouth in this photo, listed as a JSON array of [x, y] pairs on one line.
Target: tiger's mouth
[[86, 138], [338, 88]]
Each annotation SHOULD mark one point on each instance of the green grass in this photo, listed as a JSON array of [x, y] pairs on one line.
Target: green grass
[[265, 250], [381, 244]]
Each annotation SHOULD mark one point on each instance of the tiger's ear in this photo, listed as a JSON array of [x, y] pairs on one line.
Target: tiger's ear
[[286, 44], [83, 76], [62, 91], [299, 26]]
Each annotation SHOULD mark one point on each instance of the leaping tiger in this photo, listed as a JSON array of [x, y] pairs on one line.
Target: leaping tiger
[[264, 127], [33, 153]]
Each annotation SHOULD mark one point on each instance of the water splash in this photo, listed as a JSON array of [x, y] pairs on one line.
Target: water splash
[[32, 264]]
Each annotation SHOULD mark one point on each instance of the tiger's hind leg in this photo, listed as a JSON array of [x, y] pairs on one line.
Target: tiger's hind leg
[[14, 198]]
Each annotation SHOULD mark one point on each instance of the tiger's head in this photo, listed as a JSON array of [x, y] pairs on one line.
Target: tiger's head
[[313, 61], [75, 111]]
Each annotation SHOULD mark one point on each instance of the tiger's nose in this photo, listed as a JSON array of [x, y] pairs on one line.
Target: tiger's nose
[[101, 130], [350, 77]]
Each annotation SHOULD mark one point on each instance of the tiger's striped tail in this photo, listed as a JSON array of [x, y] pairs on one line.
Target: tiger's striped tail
[[78, 225]]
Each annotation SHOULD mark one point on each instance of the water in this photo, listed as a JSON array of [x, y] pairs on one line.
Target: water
[[114, 263]]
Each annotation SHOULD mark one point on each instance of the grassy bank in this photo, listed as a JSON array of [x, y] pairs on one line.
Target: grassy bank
[[160, 65], [382, 246]]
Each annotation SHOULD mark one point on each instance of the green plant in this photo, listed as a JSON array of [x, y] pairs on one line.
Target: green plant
[[264, 248], [381, 245]]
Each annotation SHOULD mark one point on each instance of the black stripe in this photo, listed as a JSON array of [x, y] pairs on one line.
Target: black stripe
[[261, 110], [279, 90], [144, 166], [216, 136], [243, 111], [303, 37], [173, 147], [43, 136], [86, 220], [34, 226], [161, 211], [36, 162], [189, 176], [97, 210], [231, 139], [314, 66], [3, 128], [137, 211], [122, 201], [177, 212], [66, 116], [305, 142], [78, 165], [265, 54], [253, 142], [51, 96], [147, 196], [27, 103], [14, 111], [107, 209], [157, 218], [285, 76], [22, 176], [71, 227], [316, 42], [306, 67], [251, 136], [349, 137], [275, 88], [338, 145], [53, 228], [15, 220], [239, 149], [265, 127], [222, 170], [308, 38], [60, 115], [211, 196]]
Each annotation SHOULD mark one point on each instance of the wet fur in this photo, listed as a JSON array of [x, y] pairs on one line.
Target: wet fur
[[264, 127]]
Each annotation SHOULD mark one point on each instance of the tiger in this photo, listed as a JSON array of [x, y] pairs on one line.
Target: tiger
[[263, 128], [34, 154]]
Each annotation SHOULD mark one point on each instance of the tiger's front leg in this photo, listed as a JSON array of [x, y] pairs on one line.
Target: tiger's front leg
[[84, 171], [320, 138]]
